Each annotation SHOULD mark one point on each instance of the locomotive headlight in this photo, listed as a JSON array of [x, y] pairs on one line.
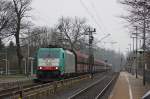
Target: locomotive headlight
[[40, 67], [56, 67]]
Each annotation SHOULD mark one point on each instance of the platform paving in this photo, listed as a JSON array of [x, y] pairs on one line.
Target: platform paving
[[129, 87]]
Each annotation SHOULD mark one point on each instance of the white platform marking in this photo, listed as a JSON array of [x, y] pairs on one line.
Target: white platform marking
[[130, 91]]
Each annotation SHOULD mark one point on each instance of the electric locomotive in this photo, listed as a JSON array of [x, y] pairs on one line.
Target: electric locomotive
[[57, 63]]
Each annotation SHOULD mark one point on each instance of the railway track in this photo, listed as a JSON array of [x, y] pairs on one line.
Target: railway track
[[95, 90], [31, 91], [43, 91]]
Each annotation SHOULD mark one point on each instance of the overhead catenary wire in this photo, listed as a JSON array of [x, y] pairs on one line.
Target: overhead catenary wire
[[90, 14], [94, 18], [104, 29]]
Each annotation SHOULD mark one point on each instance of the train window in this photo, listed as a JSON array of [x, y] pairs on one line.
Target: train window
[[49, 54], [63, 55]]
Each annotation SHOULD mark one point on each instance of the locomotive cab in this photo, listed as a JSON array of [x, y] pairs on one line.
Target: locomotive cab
[[50, 63]]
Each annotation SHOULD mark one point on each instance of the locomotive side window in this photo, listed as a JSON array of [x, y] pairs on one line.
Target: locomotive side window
[[63, 55]]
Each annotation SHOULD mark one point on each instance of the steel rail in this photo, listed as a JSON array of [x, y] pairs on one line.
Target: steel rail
[[78, 93], [105, 89], [102, 91], [18, 90]]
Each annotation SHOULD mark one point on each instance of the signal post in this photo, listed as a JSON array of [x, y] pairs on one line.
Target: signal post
[[91, 56]]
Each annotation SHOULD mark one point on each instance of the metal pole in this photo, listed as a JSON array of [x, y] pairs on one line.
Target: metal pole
[[134, 68], [104, 58], [6, 62], [133, 44], [91, 56], [28, 62], [130, 48], [28, 55], [121, 63], [25, 66], [136, 54], [31, 67], [144, 46], [130, 59], [8, 66], [90, 51]]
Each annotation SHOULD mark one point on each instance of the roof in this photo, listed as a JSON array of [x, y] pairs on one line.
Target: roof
[[79, 54]]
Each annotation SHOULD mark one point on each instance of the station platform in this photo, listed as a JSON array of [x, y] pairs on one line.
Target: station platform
[[129, 87]]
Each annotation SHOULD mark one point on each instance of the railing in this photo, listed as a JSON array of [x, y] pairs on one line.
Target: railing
[[43, 91], [14, 84]]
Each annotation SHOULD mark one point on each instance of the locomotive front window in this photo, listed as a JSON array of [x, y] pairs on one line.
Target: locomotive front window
[[48, 58], [49, 54]]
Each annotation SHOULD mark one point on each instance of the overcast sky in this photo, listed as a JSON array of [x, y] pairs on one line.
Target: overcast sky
[[101, 14]]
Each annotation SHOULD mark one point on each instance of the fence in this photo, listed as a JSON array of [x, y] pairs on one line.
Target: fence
[[43, 91]]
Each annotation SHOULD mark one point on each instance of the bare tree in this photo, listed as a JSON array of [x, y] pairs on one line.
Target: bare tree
[[6, 18], [138, 15], [73, 29], [20, 8], [35, 37]]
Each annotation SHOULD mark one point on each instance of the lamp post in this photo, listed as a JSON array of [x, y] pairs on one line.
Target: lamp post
[[136, 37], [129, 58], [144, 46], [133, 56], [141, 52]]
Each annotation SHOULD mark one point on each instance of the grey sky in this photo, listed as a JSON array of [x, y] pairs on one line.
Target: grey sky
[[105, 12]]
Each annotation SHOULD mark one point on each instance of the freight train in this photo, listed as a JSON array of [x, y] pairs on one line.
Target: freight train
[[57, 63]]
